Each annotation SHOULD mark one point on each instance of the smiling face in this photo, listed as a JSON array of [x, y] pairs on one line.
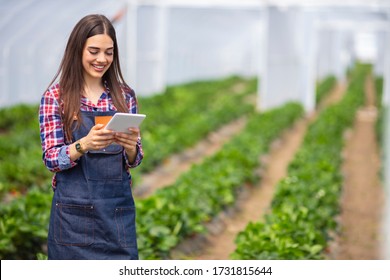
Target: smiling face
[[98, 54]]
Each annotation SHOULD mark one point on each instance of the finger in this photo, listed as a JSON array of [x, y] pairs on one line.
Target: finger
[[102, 140], [105, 137], [134, 130], [101, 144], [130, 148], [125, 134], [107, 131], [98, 126], [126, 143], [126, 137]]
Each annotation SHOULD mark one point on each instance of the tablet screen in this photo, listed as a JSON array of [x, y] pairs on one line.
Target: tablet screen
[[121, 122]]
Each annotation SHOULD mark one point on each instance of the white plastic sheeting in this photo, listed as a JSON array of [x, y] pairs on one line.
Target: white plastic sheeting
[[306, 43], [289, 58], [197, 43], [33, 36], [159, 44], [286, 44]]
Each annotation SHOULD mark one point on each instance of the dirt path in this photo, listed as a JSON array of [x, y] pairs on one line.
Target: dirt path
[[219, 244], [362, 198]]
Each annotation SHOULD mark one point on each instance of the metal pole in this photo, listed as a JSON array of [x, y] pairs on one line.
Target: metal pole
[[131, 41]]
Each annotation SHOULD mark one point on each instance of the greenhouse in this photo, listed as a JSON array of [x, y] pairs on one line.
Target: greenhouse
[[266, 131]]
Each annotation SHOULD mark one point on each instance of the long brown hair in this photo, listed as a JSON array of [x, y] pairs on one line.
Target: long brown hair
[[70, 71]]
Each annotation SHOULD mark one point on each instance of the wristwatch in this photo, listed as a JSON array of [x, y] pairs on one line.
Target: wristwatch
[[79, 148]]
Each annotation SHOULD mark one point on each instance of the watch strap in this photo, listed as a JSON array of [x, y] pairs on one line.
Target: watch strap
[[79, 148]]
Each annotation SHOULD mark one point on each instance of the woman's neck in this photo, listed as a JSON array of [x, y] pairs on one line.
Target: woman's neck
[[93, 90]]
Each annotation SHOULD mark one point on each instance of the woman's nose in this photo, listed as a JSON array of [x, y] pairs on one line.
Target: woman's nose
[[101, 57]]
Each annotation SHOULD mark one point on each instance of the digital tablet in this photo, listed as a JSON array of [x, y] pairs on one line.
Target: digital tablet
[[121, 122]]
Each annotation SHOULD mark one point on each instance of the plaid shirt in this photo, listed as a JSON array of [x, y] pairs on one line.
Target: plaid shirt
[[55, 148]]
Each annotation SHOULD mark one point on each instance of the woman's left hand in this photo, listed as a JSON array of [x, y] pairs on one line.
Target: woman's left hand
[[129, 142]]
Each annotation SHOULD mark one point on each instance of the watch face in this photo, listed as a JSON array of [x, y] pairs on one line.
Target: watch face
[[78, 147]]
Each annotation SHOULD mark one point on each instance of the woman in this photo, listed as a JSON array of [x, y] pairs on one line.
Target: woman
[[92, 214]]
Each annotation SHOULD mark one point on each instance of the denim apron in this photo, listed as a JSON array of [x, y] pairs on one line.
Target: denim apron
[[93, 212]]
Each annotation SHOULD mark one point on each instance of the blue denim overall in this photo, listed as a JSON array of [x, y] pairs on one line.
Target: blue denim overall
[[93, 212]]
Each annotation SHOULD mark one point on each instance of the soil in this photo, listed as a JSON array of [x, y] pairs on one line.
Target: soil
[[361, 202]]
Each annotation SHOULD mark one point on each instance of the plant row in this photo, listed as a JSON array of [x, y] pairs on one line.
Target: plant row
[[306, 201], [21, 166], [23, 225], [382, 111], [324, 87]]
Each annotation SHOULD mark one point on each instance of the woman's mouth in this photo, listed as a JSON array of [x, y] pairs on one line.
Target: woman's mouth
[[98, 68]]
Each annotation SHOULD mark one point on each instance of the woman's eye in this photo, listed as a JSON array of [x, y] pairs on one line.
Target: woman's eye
[[91, 52], [109, 53]]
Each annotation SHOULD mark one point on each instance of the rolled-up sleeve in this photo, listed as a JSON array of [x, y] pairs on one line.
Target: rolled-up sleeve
[[55, 152], [132, 105], [138, 157]]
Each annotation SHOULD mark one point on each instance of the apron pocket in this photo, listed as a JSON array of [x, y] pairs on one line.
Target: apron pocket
[[103, 166], [73, 224], [125, 224]]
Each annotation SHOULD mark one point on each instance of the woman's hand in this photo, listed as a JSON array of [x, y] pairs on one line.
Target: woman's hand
[[129, 142], [97, 138]]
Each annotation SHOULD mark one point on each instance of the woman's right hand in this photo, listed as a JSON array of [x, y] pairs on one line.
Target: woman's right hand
[[97, 138]]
